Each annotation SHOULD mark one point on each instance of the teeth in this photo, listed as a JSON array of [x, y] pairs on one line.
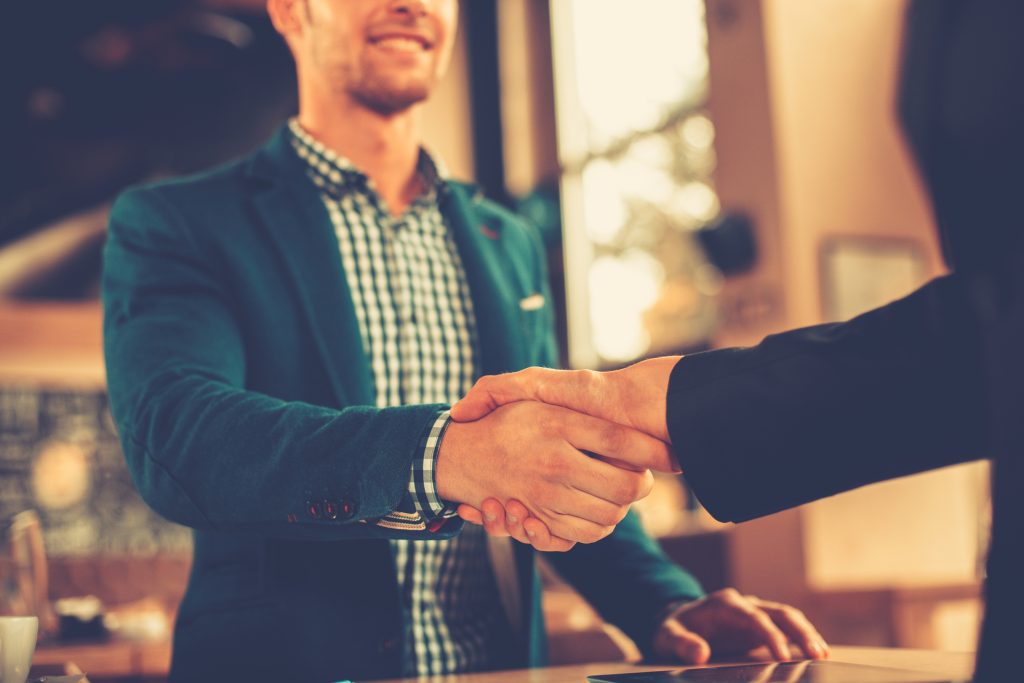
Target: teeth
[[401, 44]]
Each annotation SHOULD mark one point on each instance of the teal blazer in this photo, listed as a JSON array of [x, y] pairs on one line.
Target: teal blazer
[[242, 395]]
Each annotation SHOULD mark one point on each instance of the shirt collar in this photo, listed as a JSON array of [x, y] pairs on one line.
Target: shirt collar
[[338, 175]]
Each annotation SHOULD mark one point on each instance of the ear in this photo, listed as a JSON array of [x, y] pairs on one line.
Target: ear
[[286, 16]]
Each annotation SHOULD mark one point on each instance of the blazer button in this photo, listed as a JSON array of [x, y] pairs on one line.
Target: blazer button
[[330, 509], [346, 509], [387, 645], [314, 509]]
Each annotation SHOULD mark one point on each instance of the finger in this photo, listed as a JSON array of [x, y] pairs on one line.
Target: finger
[[796, 626], [575, 529], [514, 522], [602, 480], [615, 442], [537, 531], [470, 514], [494, 517], [542, 539], [573, 502], [767, 633], [675, 640], [492, 391], [516, 513]]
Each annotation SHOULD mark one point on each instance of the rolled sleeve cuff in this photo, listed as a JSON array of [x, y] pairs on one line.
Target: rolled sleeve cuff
[[422, 479]]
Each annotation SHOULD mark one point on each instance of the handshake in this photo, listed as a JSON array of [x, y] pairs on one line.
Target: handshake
[[556, 457]]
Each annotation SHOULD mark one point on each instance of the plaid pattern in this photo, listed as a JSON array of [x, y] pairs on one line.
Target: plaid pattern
[[422, 484], [416, 319]]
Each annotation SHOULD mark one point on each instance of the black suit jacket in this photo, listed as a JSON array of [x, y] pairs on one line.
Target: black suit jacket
[[812, 412]]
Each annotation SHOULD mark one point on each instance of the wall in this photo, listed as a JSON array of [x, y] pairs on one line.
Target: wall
[[447, 120], [803, 99], [843, 167]]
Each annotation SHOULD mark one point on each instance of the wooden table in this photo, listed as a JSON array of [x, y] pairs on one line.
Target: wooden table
[[108, 660], [954, 665]]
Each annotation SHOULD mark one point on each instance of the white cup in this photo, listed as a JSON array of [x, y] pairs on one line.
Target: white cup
[[17, 645]]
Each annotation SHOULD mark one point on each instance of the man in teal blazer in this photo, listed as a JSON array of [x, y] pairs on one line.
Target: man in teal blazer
[[247, 408]]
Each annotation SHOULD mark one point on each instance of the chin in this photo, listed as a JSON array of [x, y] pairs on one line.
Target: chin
[[393, 100]]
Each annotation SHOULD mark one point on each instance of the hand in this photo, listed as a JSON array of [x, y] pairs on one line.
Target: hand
[[513, 519], [633, 396], [727, 623], [534, 453]]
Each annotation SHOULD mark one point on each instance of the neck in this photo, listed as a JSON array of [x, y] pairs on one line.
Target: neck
[[384, 147]]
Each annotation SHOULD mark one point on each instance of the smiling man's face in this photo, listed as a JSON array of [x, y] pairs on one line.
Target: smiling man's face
[[385, 54]]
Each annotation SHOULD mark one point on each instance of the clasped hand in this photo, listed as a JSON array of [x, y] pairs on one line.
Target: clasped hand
[[633, 398], [574, 474]]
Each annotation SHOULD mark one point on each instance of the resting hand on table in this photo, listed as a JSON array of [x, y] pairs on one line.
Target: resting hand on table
[[727, 623]]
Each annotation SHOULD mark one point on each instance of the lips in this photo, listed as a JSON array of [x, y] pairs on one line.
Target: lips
[[402, 41]]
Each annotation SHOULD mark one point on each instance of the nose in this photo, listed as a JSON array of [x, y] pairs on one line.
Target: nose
[[409, 8]]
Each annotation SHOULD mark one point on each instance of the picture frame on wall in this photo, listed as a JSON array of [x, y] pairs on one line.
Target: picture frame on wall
[[862, 273]]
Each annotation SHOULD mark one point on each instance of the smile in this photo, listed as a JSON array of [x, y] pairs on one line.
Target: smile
[[397, 43]]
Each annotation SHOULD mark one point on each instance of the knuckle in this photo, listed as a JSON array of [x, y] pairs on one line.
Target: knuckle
[[612, 516], [622, 512], [635, 488], [645, 484], [556, 467], [793, 614], [586, 378], [612, 437], [545, 418], [729, 594], [635, 485]]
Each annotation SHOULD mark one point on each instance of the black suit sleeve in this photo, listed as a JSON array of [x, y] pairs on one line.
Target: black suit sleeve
[[813, 412]]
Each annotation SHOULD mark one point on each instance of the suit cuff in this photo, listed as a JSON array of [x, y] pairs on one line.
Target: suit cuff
[[423, 477]]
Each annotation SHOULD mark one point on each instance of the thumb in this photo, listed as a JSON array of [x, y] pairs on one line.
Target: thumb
[[675, 641], [470, 514], [493, 391], [478, 402]]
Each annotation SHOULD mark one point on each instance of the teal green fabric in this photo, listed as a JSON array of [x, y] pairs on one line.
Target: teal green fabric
[[242, 393]]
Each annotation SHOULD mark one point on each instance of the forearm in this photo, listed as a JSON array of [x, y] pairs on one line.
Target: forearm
[[628, 579], [813, 412], [209, 455]]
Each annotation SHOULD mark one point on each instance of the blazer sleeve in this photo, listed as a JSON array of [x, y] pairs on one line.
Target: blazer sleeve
[[813, 412], [626, 577], [203, 450]]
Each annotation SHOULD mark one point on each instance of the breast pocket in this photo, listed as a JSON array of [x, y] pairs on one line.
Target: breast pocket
[[535, 314]]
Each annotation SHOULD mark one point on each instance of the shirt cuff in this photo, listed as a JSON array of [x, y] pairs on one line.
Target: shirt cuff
[[423, 477]]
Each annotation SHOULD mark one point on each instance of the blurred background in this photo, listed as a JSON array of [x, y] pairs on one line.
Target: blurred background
[[704, 173]]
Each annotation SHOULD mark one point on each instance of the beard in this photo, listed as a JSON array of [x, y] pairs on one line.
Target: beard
[[384, 89], [388, 98]]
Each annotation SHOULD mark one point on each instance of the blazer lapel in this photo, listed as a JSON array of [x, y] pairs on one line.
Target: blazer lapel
[[295, 219], [495, 292]]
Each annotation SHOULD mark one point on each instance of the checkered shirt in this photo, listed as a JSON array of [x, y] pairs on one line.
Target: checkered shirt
[[416, 319]]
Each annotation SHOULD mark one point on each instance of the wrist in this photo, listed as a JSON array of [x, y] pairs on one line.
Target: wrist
[[449, 468], [641, 390]]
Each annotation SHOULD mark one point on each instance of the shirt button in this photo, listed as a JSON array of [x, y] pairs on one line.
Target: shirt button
[[314, 509]]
